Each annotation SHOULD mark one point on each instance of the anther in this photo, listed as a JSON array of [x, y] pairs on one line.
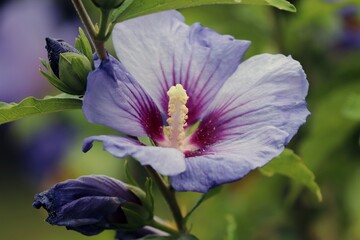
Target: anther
[[177, 112]]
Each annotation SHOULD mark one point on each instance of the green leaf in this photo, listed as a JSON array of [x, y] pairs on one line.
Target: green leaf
[[202, 199], [329, 129], [282, 4], [117, 12], [31, 106], [292, 166], [352, 107], [181, 237], [139, 8]]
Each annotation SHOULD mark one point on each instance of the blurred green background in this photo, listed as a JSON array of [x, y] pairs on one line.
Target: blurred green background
[[323, 35]]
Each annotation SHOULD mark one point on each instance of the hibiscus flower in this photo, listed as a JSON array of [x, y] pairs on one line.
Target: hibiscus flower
[[211, 117]]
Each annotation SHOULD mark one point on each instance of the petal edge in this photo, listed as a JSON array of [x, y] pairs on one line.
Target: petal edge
[[167, 161]]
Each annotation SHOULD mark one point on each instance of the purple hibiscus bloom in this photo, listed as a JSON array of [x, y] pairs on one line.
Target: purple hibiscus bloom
[[89, 204], [172, 79]]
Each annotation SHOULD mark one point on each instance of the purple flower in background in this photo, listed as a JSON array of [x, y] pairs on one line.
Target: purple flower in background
[[23, 27], [350, 35], [42, 152], [24, 24], [211, 119], [89, 204]]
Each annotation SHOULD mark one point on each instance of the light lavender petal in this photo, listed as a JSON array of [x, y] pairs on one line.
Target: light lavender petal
[[167, 161], [266, 90], [230, 160], [114, 99], [160, 51]]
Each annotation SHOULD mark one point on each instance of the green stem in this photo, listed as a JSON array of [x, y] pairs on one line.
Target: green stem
[[98, 44], [105, 14], [162, 227], [111, 27], [278, 35], [170, 198]]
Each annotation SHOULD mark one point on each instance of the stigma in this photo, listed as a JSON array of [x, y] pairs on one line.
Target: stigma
[[177, 112]]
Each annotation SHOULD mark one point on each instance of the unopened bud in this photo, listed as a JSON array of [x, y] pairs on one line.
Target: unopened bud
[[91, 204], [67, 67], [54, 48], [73, 71]]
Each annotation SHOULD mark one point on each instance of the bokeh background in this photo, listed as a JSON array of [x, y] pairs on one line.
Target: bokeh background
[[323, 35]]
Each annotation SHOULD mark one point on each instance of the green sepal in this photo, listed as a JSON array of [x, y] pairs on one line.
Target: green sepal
[[52, 78], [137, 216], [73, 71], [128, 174], [146, 141], [147, 197], [149, 200], [56, 82], [138, 192], [83, 45]]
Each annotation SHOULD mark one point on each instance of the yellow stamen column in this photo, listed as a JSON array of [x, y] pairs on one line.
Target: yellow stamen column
[[177, 112]]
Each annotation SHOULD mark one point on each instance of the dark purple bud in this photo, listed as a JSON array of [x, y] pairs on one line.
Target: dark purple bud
[[89, 204], [54, 48]]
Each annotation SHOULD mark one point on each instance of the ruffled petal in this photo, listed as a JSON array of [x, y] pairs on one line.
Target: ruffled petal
[[266, 90], [230, 160], [115, 100], [167, 161], [91, 214], [160, 51]]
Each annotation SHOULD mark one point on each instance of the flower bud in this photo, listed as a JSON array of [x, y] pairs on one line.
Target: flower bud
[[73, 71], [91, 204], [107, 4], [67, 67], [55, 48]]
